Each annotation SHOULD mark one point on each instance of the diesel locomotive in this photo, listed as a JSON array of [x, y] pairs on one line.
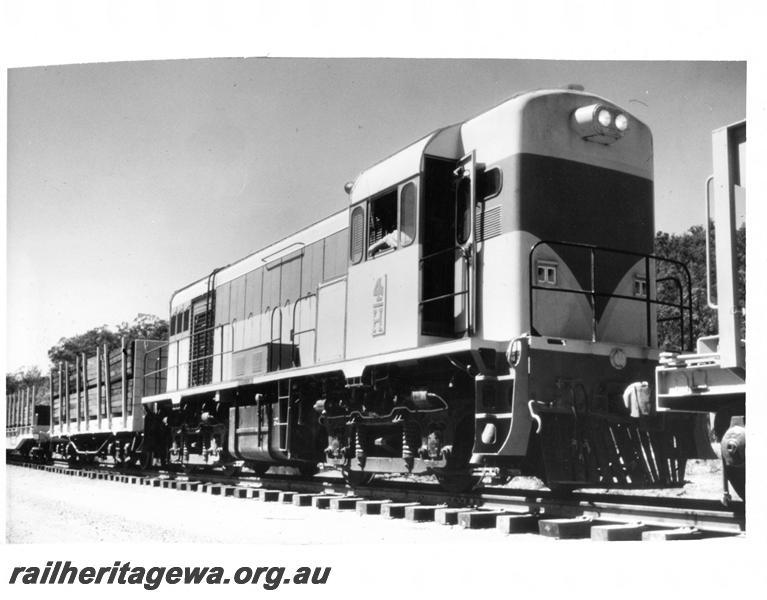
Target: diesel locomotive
[[487, 301]]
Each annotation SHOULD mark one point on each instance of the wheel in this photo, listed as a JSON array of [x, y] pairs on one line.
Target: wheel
[[258, 468], [357, 478], [73, 461], [733, 447], [736, 476]]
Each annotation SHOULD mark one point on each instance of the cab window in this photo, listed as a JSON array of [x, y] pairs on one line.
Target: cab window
[[383, 234], [407, 213], [463, 207], [391, 222]]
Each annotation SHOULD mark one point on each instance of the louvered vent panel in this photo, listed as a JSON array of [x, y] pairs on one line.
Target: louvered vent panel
[[489, 223], [358, 234]]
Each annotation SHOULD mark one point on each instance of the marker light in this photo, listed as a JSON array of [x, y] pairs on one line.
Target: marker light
[[621, 122], [514, 352], [489, 434]]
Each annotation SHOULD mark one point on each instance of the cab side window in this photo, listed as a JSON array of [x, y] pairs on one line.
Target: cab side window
[[407, 213], [391, 222], [463, 207], [382, 224]]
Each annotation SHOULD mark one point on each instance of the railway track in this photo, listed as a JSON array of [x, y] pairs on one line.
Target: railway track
[[598, 516]]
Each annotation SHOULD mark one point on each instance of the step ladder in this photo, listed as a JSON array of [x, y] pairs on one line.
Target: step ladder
[[282, 419]]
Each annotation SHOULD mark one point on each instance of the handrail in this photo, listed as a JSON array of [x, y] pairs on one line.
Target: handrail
[[272, 338], [294, 333], [709, 180], [465, 292], [443, 251], [594, 294], [444, 296]]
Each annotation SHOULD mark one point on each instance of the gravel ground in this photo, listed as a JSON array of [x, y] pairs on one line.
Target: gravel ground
[[49, 508], [702, 479], [369, 555]]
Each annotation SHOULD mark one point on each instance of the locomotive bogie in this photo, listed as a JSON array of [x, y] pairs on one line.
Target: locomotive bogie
[[404, 418], [191, 433]]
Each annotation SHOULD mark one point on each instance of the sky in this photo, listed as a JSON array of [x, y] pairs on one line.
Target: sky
[[128, 180]]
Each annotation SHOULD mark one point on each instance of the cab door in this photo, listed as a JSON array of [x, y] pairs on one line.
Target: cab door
[[466, 259], [448, 263]]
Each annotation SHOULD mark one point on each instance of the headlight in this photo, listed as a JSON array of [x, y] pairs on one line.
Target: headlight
[[599, 123], [618, 358], [604, 117]]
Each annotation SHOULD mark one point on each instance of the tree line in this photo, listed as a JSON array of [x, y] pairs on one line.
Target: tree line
[[143, 327], [689, 248]]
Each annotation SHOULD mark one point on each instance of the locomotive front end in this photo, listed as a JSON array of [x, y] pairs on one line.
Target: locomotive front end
[[573, 284]]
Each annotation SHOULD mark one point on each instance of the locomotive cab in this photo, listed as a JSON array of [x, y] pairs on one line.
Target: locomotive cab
[[407, 273]]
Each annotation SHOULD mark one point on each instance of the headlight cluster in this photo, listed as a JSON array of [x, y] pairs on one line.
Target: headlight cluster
[[600, 123]]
